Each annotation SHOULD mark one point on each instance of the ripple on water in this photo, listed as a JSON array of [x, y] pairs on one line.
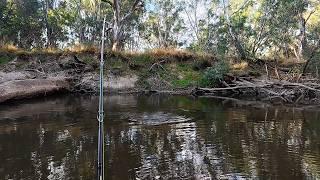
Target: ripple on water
[[157, 118]]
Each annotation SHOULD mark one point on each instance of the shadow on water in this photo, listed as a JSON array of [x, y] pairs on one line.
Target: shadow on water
[[158, 137]]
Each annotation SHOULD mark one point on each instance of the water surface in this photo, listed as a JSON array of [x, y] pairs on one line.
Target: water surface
[[158, 137]]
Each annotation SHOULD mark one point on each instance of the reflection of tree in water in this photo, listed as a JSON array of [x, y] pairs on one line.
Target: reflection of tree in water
[[212, 139], [44, 143], [252, 142]]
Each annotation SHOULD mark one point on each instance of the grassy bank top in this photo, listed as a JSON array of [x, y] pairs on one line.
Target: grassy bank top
[[176, 68], [82, 49]]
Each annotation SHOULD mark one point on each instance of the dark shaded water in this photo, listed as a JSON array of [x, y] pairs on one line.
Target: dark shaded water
[[158, 137]]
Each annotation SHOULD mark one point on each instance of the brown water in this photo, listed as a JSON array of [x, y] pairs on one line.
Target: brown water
[[158, 137]]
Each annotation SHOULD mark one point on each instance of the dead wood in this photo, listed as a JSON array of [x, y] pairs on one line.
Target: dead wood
[[36, 70], [157, 65], [266, 90]]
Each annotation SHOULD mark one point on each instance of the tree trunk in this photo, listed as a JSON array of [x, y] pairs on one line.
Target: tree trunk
[[46, 10], [241, 51], [303, 49], [116, 25], [302, 37], [115, 46]]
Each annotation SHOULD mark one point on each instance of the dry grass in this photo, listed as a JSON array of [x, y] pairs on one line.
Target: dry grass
[[158, 53], [168, 55], [177, 53], [180, 54], [9, 48], [76, 49], [240, 66], [81, 48]]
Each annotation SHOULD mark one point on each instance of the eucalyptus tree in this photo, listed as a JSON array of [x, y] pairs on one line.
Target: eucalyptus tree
[[21, 23], [163, 26], [198, 18], [123, 11], [309, 36], [4, 21], [57, 20], [121, 14], [262, 28], [86, 22]]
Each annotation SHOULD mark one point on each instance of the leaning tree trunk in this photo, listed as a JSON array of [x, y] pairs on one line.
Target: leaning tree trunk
[[303, 49]]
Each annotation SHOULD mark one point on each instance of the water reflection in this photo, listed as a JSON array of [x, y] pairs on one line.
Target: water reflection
[[158, 137]]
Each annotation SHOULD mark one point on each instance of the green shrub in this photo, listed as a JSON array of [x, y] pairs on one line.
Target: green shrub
[[4, 59], [215, 74], [189, 79], [201, 65], [142, 59]]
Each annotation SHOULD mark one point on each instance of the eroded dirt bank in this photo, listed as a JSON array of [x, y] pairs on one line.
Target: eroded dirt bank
[[29, 75]]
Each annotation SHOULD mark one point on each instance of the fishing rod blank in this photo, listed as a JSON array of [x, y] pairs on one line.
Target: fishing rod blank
[[100, 169]]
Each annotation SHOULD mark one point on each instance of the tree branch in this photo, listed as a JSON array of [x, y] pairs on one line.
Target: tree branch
[[134, 7], [309, 15]]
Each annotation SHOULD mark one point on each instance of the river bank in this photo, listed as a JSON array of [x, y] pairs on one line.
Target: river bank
[[27, 75]]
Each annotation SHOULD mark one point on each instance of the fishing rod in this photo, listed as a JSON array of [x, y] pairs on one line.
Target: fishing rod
[[100, 167]]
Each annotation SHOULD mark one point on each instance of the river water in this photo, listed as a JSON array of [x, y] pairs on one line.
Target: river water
[[158, 137]]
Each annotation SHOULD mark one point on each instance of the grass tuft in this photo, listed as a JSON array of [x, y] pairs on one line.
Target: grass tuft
[[169, 52], [10, 49]]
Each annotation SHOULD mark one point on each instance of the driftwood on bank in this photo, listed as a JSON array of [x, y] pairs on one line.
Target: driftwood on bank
[[266, 90]]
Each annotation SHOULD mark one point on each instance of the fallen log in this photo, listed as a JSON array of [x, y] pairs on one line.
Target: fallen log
[[270, 90], [19, 89], [232, 88], [301, 85]]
